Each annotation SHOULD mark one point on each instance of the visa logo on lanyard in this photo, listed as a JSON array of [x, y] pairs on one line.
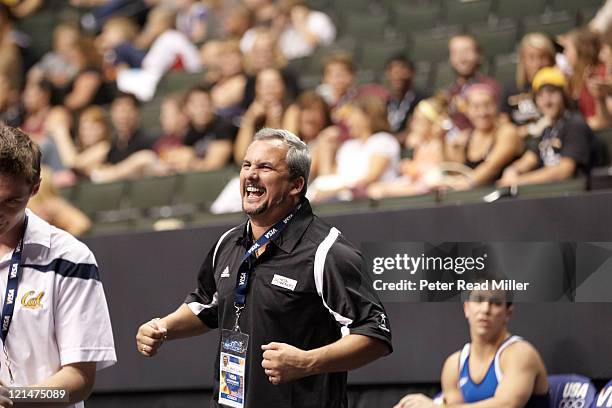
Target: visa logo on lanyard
[[243, 277], [10, 296], [14, 269], [270, 233]]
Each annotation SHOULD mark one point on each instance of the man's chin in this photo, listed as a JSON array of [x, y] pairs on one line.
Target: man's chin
[[251, 210]]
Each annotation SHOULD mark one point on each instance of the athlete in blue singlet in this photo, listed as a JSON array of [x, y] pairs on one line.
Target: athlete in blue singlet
[[495, 369]]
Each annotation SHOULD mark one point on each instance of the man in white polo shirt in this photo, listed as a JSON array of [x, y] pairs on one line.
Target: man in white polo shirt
[[55, 326]]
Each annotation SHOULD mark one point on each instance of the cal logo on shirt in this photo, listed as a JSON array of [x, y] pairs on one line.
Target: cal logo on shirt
[[284, 282], [31, 300]]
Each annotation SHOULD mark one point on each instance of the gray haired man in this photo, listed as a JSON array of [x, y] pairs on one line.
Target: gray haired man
[[286, 292]]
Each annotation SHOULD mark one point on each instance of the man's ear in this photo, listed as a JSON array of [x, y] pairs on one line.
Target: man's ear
[[298, 185], [35, 188]]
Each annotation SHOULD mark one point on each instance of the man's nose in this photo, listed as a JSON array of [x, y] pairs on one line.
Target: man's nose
[[252, 173]]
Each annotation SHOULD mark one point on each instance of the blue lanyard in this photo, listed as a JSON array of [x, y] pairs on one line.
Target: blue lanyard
[[242, 283], [12, 285]]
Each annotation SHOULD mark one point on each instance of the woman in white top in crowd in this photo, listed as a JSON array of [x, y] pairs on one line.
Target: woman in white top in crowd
[[371, 154]]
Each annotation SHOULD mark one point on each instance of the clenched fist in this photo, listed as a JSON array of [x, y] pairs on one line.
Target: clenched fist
[[151, 336], [283, 363]]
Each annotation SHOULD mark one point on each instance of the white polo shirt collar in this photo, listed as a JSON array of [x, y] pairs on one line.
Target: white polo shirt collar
[[38, 231]]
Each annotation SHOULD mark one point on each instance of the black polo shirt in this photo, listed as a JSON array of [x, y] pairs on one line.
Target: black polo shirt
[[332, 297]]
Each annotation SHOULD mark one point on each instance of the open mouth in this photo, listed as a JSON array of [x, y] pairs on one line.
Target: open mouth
[[254, 192]]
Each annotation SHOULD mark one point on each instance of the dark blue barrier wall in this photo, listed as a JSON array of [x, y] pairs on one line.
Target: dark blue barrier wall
[[148, 274]]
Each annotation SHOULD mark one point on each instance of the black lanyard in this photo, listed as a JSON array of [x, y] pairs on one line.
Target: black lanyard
[[242, 282], [12, 285]]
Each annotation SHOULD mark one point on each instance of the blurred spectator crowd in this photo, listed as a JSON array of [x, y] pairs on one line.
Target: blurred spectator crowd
[[81, 100]]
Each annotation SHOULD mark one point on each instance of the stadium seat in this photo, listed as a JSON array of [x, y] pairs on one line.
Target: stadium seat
[[322, 5], [39, 27], [519, 8], [200, 189], [152, 192], [443, 76], [68, 193], [374, 55], [432, 45], [550, 23], [365, 26], [179, 81], [365, 76], [309, 81], [422, 76], [110, 228], [397, 203], [586, 14], [92, 198], [574, 6], [602, 147], [204, 218], [343, 5], [556, 189], [150, 112], [570, 390], [504, 68], [467, 12], [497, 39], [464, 197], [341, 207], [604, 397], [409, 19], [300, 66]]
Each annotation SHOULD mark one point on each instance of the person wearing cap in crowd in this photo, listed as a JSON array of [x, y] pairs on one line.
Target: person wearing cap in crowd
[[563, 149]]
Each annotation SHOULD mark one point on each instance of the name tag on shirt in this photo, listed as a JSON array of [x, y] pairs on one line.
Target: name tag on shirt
[[284, 282]]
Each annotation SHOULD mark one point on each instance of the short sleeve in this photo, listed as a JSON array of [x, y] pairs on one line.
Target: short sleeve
[[203, 301], [347, 292], [577, 142], [384, 144], [225, 130], [82, 321]]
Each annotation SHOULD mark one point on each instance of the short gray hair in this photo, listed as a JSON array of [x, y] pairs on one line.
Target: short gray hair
[[298, 155]]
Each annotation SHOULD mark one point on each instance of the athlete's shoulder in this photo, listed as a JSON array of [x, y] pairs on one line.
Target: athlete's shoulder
[[522, 346], [452, 361], [450, 369], [521, 352]]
